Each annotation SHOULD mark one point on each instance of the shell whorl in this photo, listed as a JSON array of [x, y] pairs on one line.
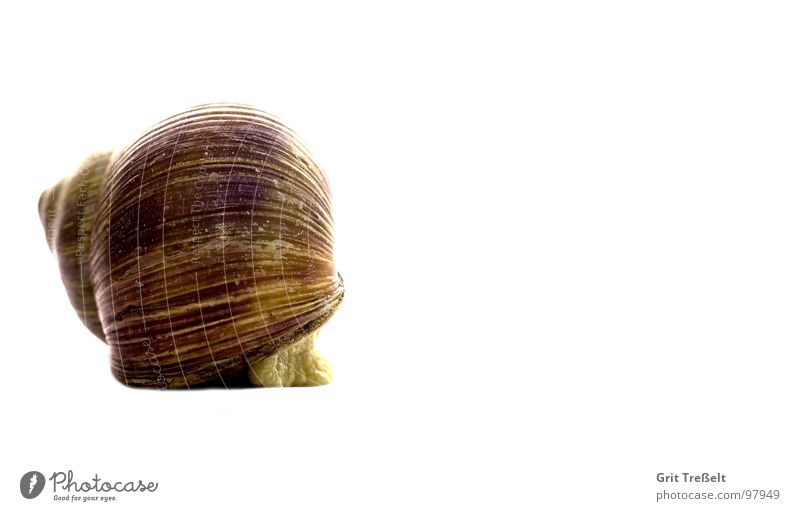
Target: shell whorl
[[211, 248], [67, 214]]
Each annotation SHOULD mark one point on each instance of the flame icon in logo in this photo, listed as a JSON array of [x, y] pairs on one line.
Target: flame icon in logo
[[31, 484]]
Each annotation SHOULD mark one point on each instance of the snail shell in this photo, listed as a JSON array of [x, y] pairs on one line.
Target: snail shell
[[202, 253]]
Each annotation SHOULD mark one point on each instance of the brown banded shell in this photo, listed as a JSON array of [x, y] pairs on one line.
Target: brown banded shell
[[202, 252]]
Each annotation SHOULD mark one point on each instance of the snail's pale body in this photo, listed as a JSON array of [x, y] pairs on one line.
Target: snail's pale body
[[202, 253]]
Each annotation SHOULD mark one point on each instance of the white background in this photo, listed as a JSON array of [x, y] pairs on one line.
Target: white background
[[568, 232]]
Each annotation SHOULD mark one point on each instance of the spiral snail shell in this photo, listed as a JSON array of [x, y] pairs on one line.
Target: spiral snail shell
[[202, 253]]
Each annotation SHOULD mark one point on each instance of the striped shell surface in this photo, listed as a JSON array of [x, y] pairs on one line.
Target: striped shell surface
[[211, 246]]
